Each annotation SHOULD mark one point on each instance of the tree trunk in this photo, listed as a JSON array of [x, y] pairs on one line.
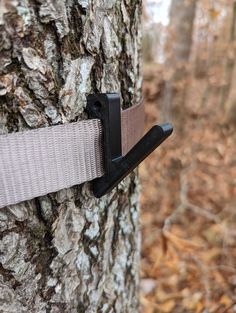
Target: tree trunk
[[230, 103], [67, 251], [182, 14], [230, 59]]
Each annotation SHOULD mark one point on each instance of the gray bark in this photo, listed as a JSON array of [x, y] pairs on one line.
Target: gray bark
[[67, 251]]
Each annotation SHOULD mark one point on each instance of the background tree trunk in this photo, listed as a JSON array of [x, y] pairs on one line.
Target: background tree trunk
[[182, 14], [67, 251], [230, 60], [230, 104]]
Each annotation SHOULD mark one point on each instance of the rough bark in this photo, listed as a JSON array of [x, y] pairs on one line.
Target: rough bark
[[67, 251], [182, 14]]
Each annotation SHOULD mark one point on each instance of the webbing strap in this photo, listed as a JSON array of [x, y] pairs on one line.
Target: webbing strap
[[37, 162], [132, 125]]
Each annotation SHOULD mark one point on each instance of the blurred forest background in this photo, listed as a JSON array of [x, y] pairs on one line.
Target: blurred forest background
[[189, 184]]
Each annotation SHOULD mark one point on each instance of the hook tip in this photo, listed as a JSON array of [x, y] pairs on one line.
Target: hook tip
[[167, 129]]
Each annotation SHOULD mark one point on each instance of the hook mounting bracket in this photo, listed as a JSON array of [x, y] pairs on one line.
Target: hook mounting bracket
[[107, 108]]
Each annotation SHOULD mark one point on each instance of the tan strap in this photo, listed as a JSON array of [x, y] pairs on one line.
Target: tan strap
[[37, 162], [132, 125]]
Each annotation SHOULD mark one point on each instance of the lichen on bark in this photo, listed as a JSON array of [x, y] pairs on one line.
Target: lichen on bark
[[67, 251]]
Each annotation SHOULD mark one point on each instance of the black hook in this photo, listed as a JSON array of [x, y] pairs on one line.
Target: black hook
[[107, 108]]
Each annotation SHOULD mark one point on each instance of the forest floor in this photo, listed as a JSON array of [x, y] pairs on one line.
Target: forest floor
[[189, 207]]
